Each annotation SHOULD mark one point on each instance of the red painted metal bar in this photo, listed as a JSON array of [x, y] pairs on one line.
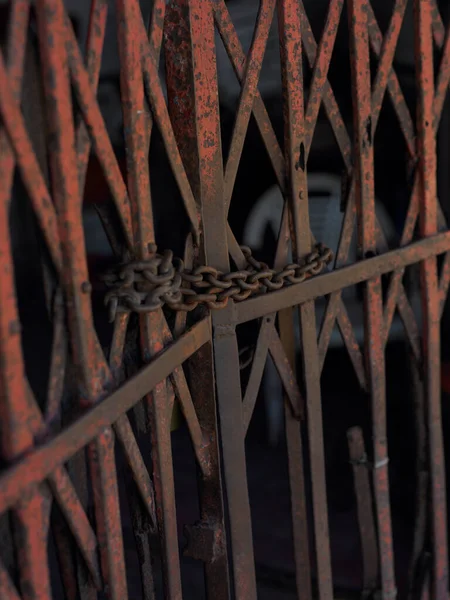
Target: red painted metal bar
[[138, 126], [31, 514], [94, 372], [248, 91], [426, 141], [94, 49], [27, 162], [85, 94], [181, 103], [384, 49], [289, 20], [321, 67], [365, 201], [64, 493], [336, 308], [238, 60], [216, 251]]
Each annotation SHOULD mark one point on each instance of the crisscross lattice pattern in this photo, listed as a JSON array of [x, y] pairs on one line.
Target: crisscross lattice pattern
[[62, 472]]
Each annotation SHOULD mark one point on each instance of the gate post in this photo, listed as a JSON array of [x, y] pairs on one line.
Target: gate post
[[181, 104], [202, 152]]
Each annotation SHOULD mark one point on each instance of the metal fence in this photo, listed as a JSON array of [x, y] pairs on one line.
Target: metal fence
[[178, 319]]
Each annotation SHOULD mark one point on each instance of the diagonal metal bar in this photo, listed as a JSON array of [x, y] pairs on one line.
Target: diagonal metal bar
[[349, 218], [90, 110], [124, 432], [384, 49], [66, 496], [94, 49], [328, 98], [68, 198], [181, 388], [256, 372], [33, 179], [438, 24], [443, 81], [58, 361], [238, 60], [157, 102], [267, 326], [249, 86], [335, 304], [408, 130], [385, 73], [348, 335], [413, 209], [122, 426], [321, 67], [286, 374]]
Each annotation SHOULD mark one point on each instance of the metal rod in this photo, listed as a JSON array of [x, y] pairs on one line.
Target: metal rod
[[225, 346], [427, 167], [373, 305]]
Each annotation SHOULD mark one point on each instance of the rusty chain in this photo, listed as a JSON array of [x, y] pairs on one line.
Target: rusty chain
[[146, 285]]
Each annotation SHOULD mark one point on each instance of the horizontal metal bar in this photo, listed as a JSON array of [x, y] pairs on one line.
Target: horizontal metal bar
[[39, 463], [322, 285]]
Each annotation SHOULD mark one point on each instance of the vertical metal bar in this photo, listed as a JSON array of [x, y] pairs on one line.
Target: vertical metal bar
[[224, 335], [426, 141], [366, 522], [179, 74], [138, 126], [373, 307], [32, 512], [422, 512], [92, 368], [294, 440], [289, 19]]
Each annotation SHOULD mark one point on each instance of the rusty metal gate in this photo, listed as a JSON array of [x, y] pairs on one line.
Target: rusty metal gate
[[176, 322]]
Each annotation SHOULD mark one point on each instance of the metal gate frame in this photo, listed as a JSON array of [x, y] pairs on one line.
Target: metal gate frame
[[44, 464]]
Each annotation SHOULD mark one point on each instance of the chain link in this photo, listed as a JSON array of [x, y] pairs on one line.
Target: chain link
[[146, 285]]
